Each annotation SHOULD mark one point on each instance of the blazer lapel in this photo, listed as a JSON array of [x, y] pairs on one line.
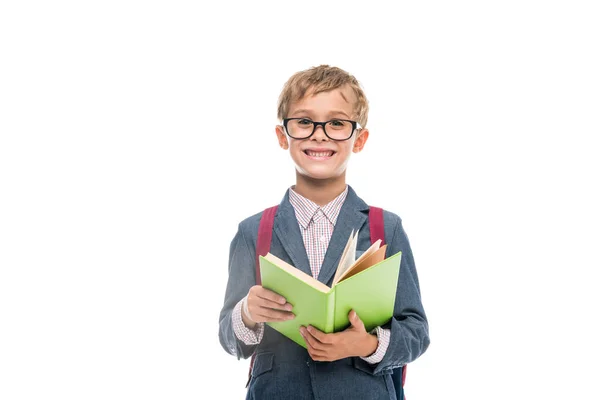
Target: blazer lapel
[[352, 216], [287, 230]]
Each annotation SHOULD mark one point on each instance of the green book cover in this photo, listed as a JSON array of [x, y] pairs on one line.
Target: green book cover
[[370, 292]]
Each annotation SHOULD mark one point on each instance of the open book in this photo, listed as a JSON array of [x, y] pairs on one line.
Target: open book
[[366, 285]]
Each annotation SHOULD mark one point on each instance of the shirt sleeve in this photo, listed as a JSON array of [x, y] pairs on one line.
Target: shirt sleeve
[[248, 336], [383, 335]]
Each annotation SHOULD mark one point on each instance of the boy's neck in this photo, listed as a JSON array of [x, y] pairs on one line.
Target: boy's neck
[[320, 191]]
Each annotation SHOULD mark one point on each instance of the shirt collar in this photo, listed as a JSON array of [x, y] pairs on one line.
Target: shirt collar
[[306, 209]]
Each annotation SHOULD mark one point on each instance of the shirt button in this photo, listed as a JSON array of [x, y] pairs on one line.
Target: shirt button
[[323, 239]]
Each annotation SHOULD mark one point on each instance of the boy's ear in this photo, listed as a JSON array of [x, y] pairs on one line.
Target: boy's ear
[[281, 137], [360, 141]]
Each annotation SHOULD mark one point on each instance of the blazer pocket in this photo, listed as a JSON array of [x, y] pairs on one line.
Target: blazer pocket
[[262, 363]]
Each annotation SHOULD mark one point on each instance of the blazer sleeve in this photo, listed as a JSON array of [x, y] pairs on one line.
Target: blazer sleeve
[[409, 329], [241, 279]]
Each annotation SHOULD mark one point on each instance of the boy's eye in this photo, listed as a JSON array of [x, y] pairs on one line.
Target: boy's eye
[[304, 121], [339, 124]]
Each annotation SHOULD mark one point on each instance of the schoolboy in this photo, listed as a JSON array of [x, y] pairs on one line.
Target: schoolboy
[[323, 113]]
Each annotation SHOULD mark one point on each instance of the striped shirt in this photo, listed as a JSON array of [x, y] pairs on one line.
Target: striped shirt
[[316, 225]]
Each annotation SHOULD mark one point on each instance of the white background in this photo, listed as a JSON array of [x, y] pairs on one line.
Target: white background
[[135, 136]]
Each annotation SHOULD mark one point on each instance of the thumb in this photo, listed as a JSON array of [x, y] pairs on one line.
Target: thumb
[[355, 320]]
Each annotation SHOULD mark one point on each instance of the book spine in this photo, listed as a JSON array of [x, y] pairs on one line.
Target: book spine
[[330, 312]]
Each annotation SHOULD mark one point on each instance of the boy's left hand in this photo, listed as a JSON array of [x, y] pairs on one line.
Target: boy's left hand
[[354, 341]]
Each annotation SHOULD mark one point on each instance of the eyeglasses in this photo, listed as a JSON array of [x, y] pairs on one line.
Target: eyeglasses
[[335, 129]]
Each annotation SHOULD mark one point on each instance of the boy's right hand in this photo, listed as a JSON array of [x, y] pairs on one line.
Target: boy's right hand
[[265, 306]]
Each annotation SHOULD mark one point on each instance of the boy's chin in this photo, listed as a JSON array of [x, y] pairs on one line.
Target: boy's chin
[[318, 175]]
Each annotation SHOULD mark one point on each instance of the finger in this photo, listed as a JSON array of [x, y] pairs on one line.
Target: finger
[[317, 355], [355, 320], [267, 314], [311, 342], [320, 336], [260, 302], [254, 300], [271, 296], [314, 342], [312, 350]]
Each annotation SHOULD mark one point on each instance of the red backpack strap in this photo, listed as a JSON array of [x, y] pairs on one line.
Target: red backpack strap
[[265, 233], [263, 245], [376, 228]]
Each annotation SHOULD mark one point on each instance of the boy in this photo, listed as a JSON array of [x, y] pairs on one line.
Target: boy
[[324, 113]]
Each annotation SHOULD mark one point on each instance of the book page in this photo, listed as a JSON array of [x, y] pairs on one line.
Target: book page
[[364, 263], [372, 249], [347, 258]]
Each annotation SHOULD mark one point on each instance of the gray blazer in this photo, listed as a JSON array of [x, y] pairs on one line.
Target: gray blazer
[[283, 369]]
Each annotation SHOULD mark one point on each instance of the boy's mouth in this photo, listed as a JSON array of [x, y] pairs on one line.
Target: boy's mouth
[[321, 154]]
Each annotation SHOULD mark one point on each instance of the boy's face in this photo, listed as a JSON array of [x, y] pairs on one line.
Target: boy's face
[[319, 157]]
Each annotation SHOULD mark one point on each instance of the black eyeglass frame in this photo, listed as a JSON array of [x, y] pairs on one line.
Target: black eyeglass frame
[[315, 124]]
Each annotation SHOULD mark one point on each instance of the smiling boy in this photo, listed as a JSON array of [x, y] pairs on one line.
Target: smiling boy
[[323, 113]]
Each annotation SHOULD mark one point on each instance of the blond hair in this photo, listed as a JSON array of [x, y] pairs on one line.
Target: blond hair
[[322, 79]]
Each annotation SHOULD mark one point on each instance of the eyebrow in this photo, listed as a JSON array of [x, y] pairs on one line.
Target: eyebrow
[[330, 114]]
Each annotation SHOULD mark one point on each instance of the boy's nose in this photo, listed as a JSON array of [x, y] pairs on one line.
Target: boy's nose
[[319, 134]]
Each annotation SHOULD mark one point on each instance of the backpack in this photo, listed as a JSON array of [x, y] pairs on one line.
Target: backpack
[[263, 245]]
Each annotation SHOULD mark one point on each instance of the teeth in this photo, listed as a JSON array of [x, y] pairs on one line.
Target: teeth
[[319, 154]]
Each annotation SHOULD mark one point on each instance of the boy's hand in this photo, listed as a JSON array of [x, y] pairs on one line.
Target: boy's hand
[[265, 306], [354, 341]]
